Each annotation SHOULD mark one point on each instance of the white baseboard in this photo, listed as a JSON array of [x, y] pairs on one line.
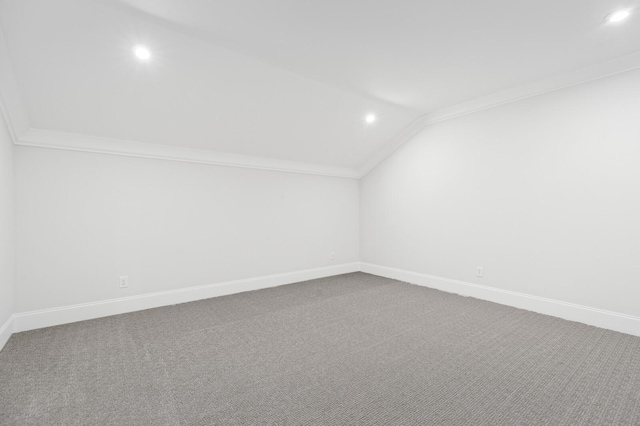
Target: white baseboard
[[5, 332], [66, 314], [570, 311]]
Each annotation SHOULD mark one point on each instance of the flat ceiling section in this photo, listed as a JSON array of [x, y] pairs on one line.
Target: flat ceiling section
[[421, 54]]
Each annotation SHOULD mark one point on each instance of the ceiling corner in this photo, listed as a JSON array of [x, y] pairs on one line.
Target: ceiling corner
[[11, 104]]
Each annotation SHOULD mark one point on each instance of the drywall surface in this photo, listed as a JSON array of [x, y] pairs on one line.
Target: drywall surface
[[86, 219], [7, 229], [544, 193]]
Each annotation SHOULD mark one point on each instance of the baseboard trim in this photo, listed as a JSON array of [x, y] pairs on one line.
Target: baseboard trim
[[570, 311], [67, 314], [5, 332]]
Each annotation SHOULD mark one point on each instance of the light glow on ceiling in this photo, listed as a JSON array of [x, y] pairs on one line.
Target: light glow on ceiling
[[618, 16], [142, 52], [370, 118]]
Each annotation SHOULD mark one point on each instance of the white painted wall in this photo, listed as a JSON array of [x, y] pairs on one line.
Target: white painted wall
[[543, 192], [85, 219], [7, 229]]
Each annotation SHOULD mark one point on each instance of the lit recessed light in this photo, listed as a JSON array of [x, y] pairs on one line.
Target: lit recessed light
[[142, 52], [370, 118], [618, 16]]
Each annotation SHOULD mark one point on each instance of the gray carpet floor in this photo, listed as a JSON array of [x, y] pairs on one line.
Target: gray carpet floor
[[348, 350]]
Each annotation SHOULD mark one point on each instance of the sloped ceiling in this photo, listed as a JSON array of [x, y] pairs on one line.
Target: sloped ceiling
[[283, 79], [422, 54]]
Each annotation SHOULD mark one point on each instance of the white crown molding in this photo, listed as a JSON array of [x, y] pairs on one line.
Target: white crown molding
[[583, 75], [404, 136], [570, 311], [86, 143], [67, 314]]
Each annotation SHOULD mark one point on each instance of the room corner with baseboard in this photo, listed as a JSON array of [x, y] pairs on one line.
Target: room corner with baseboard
[[329, 213]]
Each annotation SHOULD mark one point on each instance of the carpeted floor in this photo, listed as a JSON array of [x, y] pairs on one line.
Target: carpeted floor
[[353, 349]]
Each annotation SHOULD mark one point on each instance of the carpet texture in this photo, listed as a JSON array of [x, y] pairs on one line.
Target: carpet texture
[[348, 350]]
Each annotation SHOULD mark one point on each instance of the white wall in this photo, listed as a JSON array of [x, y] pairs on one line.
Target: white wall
[[85, 219], [7, 230], [544, 193]]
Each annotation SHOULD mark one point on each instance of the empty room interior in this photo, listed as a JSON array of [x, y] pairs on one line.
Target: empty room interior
[[278, 212]]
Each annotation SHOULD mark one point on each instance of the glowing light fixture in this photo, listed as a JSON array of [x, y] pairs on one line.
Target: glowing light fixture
[[618, 16], [370, 118], [142, 52]]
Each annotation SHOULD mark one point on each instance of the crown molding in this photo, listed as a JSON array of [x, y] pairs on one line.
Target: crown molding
[[562, 81], [404, 136], [86, 143]]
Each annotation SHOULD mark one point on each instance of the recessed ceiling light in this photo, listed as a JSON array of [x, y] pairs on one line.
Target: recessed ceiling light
[[618, 16], [370, 118], [142, 52]]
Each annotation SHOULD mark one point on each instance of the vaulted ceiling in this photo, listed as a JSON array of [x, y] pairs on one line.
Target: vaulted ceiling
[[291, 80]]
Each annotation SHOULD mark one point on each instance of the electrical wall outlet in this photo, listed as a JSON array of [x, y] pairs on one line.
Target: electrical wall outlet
[[333, 256], [480, 271], [124, 282]]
